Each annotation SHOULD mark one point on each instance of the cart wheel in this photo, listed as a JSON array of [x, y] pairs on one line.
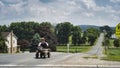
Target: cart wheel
[[48, 55], [40, 55], [37, 55]]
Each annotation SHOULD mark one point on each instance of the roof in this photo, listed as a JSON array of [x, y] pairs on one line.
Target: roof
[[5, 34]]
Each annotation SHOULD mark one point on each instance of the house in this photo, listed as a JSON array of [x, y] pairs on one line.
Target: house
[[113, 36], [10, 41]]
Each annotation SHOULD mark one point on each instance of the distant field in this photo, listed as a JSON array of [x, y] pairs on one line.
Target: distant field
[[73, 49], [113, 54]]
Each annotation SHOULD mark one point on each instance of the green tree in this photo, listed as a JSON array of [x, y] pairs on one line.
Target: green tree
[[116, 43], [24, 30], [84, 39], [3, 47], [92, 34], [106, 42], [76, 35], [45, 30], [63, 31], [3, 28], [107, 30], [34, 42]]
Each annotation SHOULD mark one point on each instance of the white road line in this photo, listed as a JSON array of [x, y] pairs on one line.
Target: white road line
[[48, 65]]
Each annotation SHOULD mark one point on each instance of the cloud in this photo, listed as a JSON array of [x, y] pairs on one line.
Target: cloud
[[10, 11], [12, 1], [115, 1], [89, 14], [89, 3], [1, 4], [75, 11]]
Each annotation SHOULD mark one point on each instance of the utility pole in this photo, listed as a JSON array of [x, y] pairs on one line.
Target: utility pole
[[68, 47], [11, 43]]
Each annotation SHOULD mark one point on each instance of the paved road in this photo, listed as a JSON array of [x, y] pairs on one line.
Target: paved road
[[58, 60], [97, 49], [29, 59]]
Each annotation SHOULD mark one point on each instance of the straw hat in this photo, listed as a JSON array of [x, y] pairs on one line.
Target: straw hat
[[42, 38]]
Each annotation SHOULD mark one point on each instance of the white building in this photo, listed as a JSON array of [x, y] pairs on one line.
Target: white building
[[113, 36], [10, 41]]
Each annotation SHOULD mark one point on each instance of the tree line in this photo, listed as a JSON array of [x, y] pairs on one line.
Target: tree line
[[28, 33], [107, 36]]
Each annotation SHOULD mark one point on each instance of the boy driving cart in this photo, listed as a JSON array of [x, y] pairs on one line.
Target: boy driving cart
[[43, 49]]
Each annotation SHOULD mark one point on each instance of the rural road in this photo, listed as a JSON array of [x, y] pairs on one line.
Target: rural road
[[29, 59], [58, 59], [97, 49]]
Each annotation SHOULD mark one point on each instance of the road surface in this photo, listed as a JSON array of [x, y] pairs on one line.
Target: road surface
[[29, 59], [58, 60], [97, 49]]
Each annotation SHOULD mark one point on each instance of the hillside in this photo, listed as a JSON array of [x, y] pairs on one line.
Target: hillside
[[84, 27]]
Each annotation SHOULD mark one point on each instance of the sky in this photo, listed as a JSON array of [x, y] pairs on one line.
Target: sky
[[78, 12]]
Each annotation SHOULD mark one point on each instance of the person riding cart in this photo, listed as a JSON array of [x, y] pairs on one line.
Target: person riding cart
[[43, 49]]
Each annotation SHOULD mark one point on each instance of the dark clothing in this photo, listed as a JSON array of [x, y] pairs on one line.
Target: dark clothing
[[44, 45]]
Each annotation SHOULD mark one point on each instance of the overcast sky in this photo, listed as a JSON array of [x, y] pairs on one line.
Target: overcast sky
[[78, 12]]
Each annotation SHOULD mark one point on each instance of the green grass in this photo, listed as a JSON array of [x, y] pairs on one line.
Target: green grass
[[92, 56], [113, 54], [74, 49]]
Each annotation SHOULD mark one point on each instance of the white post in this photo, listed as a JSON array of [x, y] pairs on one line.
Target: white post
[[68, 48]]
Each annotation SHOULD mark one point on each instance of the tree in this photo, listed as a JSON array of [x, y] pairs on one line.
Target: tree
[[3, 28], [63, 31], [24, 30], [108, 31], [92, 34], [34, 42], [101, 29], [106, 42], [23, 44], [116, 43], [76, 35], [3, 47], [84, 39], [45, 30]]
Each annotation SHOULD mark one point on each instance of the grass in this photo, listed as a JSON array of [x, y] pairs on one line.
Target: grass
[[74, 49], [113, 54], [92, 56]]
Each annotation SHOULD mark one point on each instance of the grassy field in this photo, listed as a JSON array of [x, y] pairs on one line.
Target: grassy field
[[113, 54], [74, 49]]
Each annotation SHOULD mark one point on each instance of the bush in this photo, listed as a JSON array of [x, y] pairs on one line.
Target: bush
[[116, 43]]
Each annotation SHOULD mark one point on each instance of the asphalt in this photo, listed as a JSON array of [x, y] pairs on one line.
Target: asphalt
[[58, 59], [97, 49]]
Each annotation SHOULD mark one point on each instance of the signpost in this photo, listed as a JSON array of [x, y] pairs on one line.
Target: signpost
[[68, 47]]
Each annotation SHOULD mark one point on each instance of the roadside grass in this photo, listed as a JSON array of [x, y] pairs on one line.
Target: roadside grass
[[74, 48], [92, 56], [113, 54]]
